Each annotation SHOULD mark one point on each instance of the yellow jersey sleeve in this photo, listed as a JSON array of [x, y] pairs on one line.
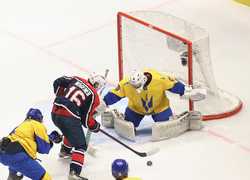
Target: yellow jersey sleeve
[[119, 90], [168, 82], [165, 80], [41, 138]]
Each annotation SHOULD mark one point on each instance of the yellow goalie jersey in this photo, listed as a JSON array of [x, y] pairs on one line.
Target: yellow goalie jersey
[[149, 100]]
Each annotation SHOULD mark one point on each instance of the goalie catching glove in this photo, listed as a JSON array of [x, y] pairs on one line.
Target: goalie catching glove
[[196, 94]]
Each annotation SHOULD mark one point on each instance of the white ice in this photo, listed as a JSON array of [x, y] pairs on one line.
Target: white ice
[[42, 40]]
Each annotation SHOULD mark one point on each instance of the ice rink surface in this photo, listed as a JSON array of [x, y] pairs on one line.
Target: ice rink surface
[[42, 40]]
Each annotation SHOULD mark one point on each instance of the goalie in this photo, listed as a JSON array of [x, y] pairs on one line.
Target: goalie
[[146, 96]]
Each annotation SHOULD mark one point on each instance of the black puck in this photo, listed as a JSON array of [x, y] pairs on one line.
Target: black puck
[[149, 163]]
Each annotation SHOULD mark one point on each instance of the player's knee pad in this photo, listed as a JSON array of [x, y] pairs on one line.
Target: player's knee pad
[[46, 176]]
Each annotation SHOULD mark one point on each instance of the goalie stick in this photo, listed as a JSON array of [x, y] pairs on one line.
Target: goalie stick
[[142, 154]]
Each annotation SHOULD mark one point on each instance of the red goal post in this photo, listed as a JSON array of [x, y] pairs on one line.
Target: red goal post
[[150, 39]]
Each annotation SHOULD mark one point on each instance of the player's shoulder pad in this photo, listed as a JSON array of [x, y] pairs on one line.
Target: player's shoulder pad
[[64, 78], [87, 88], [38, 127], [67, 77], [37, 123], [165, 77]]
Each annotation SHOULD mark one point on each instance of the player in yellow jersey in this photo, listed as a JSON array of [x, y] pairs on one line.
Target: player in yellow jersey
[[18, 150], [119, 170], [146, 95]]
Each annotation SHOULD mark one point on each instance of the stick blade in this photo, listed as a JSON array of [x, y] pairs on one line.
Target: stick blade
[[153, 151], [149, 153]]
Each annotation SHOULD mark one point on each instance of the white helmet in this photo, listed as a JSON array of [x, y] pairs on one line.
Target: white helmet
[[97, 80], [137, 79]]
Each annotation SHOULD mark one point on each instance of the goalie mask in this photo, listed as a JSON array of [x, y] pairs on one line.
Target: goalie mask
[[137, 79], [97, 81]]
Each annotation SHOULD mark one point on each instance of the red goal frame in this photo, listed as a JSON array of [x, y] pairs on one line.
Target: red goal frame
[[189, 44]]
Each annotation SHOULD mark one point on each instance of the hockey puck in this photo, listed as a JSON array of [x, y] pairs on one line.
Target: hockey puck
[[149, 163]]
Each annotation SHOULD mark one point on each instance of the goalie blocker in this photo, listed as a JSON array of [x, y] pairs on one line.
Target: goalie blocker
[[160, 130]]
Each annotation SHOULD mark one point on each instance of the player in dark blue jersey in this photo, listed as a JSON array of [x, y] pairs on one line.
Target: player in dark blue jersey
[[74, 106]]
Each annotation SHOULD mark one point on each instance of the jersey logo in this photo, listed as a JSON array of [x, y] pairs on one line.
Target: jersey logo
[[147, 104]]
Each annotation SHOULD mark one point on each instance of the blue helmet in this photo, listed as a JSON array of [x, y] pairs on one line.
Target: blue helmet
[[34, 114], [119, 168]]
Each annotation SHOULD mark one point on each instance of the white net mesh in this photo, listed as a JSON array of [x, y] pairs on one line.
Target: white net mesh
[[156, 40]]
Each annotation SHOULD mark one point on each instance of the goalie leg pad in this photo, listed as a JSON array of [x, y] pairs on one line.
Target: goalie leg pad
[[107, 119], [171, 128], [195, 119], [125, 129]]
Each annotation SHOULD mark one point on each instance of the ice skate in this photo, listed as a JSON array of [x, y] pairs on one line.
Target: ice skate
[[74, 176], [64, 153], [14, 176]]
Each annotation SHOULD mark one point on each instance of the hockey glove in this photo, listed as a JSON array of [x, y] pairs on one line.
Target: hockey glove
[[95, 128], [4, 143], [197, 94], [55, 137]]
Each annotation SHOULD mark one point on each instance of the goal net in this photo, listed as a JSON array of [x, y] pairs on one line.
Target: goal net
[[154, 40]]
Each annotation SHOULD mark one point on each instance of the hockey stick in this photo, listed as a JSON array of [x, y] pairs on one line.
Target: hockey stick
[[105, 77], [90, 149], [87, 137], [142, 154]]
